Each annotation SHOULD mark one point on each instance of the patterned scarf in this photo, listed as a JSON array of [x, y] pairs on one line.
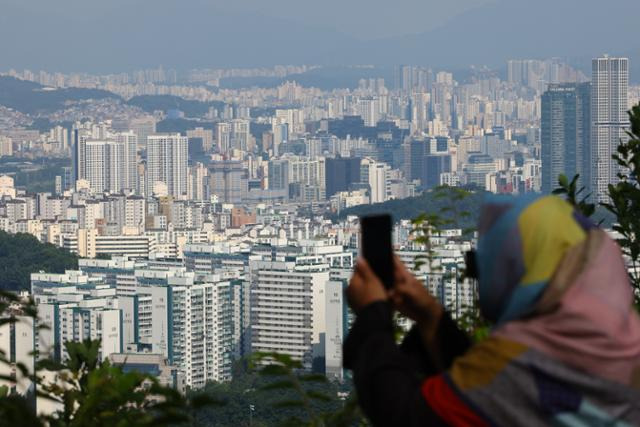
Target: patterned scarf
[[566, 346]]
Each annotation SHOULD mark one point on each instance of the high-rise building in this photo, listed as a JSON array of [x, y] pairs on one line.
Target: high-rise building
[[60, 135], [143, 127], [293, 118], [109, 165], [309, 174], [168, 312], [375, 175], [340, 173], [167, 161], [369, 109], [415, 154], [80, 137], [240, 135], [223, 136], [566, 126], [206, 135], [6, 146], [129, 142], [288, 309], [609, 105], [434, 166], [228, 180], [279, 174], [17, 339]]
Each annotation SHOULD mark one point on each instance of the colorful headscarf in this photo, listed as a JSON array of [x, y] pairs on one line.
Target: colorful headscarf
[[521, 243], [566, 346]]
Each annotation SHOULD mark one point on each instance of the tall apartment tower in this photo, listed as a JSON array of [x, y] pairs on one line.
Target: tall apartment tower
[[167, 162], [228, 180], [288, 309], [109, 164], [565, 133], [80, 137], [375, 175], [609, 119]]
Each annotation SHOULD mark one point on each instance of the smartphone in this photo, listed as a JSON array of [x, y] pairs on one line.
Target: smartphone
[[375, 241]]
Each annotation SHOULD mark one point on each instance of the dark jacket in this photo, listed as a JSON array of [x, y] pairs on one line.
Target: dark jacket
[[388, 377]]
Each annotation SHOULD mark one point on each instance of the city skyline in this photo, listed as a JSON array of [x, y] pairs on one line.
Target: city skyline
[[196, 178]]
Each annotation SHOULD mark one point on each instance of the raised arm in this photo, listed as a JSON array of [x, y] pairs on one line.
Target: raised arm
[[387, 380]]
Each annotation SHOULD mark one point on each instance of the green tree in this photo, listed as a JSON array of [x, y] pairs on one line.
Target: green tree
[[91, 391], [306, 393], [22, 254], [624, 199], [450, 210], [570, 190]]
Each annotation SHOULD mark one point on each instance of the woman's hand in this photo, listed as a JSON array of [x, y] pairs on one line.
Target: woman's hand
[[410, 297], [364, 287]]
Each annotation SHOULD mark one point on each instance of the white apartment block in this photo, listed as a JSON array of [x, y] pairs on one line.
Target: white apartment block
[[167, 161], [288, 309]]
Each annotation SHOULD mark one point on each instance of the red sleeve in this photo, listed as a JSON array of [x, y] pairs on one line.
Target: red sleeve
[[448, 405]]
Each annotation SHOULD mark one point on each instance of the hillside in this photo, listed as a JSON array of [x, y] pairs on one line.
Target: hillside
[[325, 78], [429, 202], [22, 254], [151, 103], [32, 98], [440, 203]]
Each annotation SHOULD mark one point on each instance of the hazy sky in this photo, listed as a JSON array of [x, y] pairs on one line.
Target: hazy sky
[[118, 35], [364, 19]]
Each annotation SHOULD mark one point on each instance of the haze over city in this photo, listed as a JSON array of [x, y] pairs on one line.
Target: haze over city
[[229, 213]]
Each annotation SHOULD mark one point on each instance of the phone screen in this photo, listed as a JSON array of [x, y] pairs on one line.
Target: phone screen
[[376, 247]]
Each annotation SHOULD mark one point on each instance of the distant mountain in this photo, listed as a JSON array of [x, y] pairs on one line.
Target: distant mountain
[[194, 33], [32, 98], [508, 29]]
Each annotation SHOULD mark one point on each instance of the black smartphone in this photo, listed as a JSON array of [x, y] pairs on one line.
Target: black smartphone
[[375, 241], [471, 266]]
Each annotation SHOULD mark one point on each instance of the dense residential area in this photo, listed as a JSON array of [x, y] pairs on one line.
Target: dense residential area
[[183, 244]]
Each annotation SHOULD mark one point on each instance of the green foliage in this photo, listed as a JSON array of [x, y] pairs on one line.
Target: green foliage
[[270, 389], [430, 202], [624, 199], [450, 212], [22, 254], [90, 391], [571, 192], [472, 321], [282, 371], [15, 410], [34, 176]]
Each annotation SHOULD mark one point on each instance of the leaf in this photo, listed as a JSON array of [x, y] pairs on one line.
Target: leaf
[[318, 396], [273, 370], [289, 404], [563, 181], [278, 385], [312, 377]]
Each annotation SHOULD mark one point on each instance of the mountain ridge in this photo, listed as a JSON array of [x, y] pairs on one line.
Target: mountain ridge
[[196, 34]]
